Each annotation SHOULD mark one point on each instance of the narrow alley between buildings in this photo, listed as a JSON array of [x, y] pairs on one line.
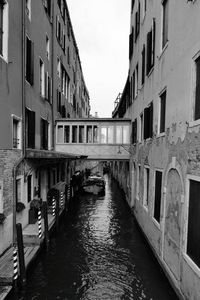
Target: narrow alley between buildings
[[98, 253]]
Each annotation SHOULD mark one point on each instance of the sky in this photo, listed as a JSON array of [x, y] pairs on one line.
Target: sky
[[101, 30]]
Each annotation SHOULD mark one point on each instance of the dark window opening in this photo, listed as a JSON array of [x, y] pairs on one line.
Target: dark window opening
[[162, 111], [143, 65], [29, 187], [165, 22], [134, 132], [74, 134], [66, 133], [193, 236], [44, 134], [30, 128], [29, 60], [150, 48], [197, 92], [158, 188], [148, 121]]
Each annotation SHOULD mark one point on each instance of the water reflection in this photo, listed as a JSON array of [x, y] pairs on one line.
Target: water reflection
[[98, 254]]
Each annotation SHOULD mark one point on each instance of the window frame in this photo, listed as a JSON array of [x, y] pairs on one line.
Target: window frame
[[164, 92], [165, 35], [4, 31], [189, 260], [41, 78], [154, 199], [19, 131], [146, 187]]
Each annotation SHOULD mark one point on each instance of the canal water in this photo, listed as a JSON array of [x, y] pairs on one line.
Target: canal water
[[98, 254]]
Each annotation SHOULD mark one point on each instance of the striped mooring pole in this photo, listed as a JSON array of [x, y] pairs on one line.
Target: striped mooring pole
[[69, 192], [54, 206], [39, 224], [61, 200], [15, 264]]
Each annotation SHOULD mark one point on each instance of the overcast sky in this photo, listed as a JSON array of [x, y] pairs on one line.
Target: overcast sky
[[101, 30]]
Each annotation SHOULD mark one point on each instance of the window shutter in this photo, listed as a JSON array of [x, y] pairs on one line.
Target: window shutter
[[143, 64], [136, 22], [197, 92], [153, 42], [32, 64], [46, 85], [31, 129], [57, 26], [133, 82], [149, 42], [46, 134], [151, 120], [146, 122]]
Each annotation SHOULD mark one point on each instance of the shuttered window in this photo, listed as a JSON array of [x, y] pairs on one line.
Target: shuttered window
[[148, 121], [197, 92], [165, 22], [44, 134], [134, 132], [143, 65], [157, 201], [193, 236], [162, 111], [151, 47], [30, 128], [131, 43], [29, 61]]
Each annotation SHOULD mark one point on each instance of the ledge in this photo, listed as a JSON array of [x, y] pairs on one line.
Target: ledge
[[48, 154]]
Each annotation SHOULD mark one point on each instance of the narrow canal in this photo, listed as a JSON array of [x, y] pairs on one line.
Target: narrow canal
[[99, 253]]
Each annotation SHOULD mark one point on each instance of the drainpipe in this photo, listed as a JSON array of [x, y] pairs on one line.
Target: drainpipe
[[16, 165]]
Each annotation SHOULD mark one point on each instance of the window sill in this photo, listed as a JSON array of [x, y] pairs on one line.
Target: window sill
[[163, 50], [4, 59], [159, 135], [156, 223], [194, 123]]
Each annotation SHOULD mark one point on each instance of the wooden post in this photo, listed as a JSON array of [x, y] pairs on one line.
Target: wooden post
[[46, 226], [20, 245]]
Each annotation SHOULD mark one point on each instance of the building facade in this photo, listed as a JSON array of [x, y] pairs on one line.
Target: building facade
[[164, 76], [41, 79]]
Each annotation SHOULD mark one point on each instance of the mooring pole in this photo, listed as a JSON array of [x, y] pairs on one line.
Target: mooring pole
[[20, 244], [57, 213], [46, 226]]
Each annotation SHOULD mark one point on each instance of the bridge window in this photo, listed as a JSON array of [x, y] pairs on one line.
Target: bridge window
[[66, 134], [125, 134], [119, 134], [60, 134], [95, 134], [110, 134], [81, 134], [74, 134], [103, 135], [89, 134]]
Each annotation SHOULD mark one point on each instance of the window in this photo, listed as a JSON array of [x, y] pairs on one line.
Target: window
[[28, 8], [4, 28], [66, 134], [144, 8], [143, 65], [59, 134], [19, 190], [138, 183], [16, 133], [148, 121], [162, 111], [47, 47], [141, 128], [133, 86], [89, 134], [29, 61], [197, 91], [165, 5], [146, 187], [58, 67], [47, 6], [29, 188], [137, 22], [157, 198], [150, 48], [44, 134], [47, 87], [132, 4], [81, 134], [30, 129], [131, 37], [59, 109], [134, 132], [125, 135], [41, 78], [193, 234], [95, 134], [136, 80], [74, 134]]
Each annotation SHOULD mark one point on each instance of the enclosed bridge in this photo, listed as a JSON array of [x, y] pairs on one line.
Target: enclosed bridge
[[94, 138]]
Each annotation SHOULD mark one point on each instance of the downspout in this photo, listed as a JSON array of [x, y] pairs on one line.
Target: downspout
[[16, 165]]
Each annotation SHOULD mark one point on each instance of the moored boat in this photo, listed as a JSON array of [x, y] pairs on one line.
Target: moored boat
[[94, 184]]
